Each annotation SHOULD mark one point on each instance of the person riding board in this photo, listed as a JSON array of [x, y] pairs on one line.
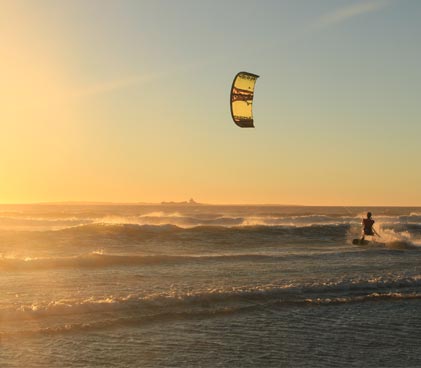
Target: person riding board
[[368, 226]]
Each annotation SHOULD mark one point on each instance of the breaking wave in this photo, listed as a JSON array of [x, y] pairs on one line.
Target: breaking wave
[[170, 228], [174, 219], [174, 305], [160, 316], [404, 236], [404, 231]]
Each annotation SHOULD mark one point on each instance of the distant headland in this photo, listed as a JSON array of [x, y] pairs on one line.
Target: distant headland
[[191, 201]]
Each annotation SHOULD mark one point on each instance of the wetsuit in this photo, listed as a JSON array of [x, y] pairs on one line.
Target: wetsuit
[[368, 226]]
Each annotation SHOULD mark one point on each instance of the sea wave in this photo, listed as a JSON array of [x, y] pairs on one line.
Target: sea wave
[[160, 315], [198, 219], [175, 219], [195, 220], [334, 232], [116, 321], [101, 234], [170, 228], [99, 259], [378, 296], [335, 291]]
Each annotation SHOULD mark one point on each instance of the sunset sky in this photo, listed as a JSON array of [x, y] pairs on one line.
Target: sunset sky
[[128, 101]]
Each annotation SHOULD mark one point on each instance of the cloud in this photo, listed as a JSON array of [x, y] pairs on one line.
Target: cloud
[[345, 13], [108, 86], [117, 84]]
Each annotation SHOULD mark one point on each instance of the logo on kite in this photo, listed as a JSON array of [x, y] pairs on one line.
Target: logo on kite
[[241, 99]]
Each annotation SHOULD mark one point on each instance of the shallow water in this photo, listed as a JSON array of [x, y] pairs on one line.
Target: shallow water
[[178, 286]]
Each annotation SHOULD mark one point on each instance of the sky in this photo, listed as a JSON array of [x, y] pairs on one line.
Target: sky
[[128, 101]]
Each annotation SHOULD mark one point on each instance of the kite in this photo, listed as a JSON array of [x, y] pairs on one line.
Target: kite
[[241, 99]]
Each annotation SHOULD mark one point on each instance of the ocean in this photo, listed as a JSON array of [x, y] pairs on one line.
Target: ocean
[[208, 286]]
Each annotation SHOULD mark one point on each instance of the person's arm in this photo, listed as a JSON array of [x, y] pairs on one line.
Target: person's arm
[[375, 232]]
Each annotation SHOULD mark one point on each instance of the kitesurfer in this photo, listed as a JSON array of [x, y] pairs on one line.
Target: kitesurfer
[[368, 226]]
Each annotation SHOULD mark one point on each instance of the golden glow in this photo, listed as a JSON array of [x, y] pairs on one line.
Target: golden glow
[[78, 124]]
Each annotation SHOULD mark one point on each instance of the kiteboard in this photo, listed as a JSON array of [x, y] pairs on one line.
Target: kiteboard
[[367, 242], [360, 242]]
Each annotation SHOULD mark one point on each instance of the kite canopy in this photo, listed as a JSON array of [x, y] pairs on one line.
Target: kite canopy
[[241, 99]]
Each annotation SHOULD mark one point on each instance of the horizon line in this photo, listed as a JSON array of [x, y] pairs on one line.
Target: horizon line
[[186, 203]]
